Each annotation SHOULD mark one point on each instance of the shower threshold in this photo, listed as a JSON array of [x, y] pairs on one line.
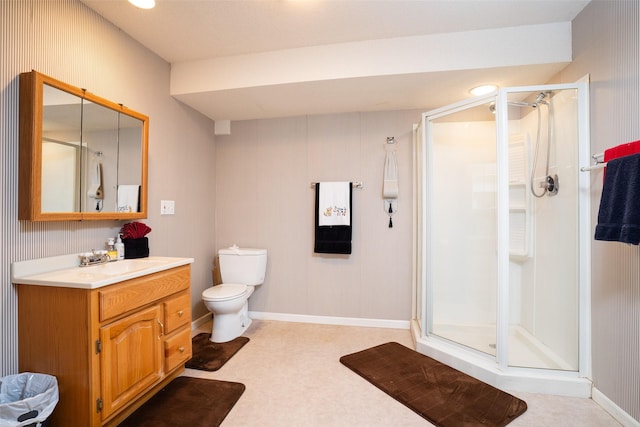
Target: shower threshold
[[484, 367], [525, 350]]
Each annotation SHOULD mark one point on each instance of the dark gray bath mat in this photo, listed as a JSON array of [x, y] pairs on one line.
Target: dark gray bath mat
[[210, 356]]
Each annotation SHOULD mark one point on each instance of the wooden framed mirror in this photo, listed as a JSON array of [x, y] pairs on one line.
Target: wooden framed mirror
[[81, 157]]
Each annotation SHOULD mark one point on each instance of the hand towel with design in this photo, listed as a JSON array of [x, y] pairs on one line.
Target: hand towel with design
[[333, 218]]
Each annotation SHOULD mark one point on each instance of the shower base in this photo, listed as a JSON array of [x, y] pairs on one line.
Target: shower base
[[482, 365], [525, 350]]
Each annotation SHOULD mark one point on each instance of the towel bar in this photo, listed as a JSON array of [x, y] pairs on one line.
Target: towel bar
[[599, 164], [356, 184]]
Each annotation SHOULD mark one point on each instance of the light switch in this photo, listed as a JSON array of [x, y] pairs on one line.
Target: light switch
[[167, 207]]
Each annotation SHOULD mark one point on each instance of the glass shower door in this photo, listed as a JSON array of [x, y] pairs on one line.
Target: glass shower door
[[461, 225]]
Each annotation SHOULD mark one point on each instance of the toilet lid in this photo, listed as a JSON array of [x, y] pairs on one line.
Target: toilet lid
[[224, 292]]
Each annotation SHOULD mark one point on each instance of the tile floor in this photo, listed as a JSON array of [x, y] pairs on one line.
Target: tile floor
[[293, 377]]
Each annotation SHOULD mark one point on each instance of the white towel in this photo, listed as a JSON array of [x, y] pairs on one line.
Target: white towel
[[128, 198], [333, 204], [390, 184]]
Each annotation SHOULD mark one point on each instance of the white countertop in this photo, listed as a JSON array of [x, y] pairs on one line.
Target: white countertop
[[64, 271]]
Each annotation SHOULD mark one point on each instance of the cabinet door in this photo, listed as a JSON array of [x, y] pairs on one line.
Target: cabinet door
[[131, 357]]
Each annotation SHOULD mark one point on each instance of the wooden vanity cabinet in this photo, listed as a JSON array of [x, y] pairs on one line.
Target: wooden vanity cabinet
[[110, 348]]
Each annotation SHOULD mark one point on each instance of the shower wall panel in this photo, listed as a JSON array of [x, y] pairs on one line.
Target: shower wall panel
[[549, 294]]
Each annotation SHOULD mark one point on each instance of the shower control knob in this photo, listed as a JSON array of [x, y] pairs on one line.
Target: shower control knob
[[552, 184]]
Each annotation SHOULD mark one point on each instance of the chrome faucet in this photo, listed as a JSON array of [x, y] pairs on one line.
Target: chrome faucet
[[93, 258]]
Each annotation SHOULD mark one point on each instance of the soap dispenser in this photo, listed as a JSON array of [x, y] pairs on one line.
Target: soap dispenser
[[119, 247], [111, 250]]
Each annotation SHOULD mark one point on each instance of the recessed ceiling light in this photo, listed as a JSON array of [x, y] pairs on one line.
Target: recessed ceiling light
[[143, 4], [483, 90]]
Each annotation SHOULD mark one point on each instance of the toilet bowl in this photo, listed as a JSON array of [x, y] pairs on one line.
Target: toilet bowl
[[241, 270], [229, 305]]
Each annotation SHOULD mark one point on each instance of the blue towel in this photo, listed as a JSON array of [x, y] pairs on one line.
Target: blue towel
[[619, 214]]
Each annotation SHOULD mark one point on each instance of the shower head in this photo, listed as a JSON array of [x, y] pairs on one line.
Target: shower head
[[540, 99]]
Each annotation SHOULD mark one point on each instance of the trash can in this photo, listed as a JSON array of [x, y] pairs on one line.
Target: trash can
[[27, 399]]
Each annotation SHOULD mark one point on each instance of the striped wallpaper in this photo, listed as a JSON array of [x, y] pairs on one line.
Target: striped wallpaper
[[606, 45], [68, 41], [42, 35]]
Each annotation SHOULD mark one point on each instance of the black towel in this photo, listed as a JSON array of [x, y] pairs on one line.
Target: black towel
[[334, 239], [619, 214]]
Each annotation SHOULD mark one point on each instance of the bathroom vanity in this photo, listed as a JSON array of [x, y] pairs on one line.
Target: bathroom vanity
[[113, 335]]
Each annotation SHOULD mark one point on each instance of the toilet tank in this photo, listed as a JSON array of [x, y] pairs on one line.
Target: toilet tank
[[246, 266]]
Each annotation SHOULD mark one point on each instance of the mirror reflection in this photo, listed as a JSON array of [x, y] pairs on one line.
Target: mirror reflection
[[100, 146], [61, 138], [127, 192]]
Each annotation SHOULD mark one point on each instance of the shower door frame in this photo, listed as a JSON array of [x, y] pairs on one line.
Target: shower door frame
[[423, 245], [426, 201]]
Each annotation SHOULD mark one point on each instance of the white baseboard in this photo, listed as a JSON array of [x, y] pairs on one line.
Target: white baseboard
[[200, 321], [329, 320], [614, 410]]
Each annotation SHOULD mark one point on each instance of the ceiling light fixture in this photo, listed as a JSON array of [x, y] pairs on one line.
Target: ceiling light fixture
[[483, 90], [143, 4]]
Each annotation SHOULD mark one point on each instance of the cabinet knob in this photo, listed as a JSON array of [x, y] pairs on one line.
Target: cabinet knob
[[180, 313], [181, 349]]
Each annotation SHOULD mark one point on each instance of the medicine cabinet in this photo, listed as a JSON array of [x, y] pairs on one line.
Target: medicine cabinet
[[81, 157]]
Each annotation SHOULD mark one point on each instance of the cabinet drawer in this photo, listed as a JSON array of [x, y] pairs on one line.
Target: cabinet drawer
[[118, 299], [177, 312], [177, 349]]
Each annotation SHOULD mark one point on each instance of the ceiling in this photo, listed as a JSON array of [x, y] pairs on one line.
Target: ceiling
[[190, 33]]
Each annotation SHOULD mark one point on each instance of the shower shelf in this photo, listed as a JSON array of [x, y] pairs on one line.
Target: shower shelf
[[519, 202]]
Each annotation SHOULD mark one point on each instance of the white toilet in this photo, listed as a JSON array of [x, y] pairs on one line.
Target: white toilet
[[241, 269]]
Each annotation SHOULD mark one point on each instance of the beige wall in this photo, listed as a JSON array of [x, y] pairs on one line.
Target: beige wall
[[263, 199], [606, 45], [68, 41]]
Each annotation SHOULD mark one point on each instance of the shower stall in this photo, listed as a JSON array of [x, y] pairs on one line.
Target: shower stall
[[501, 250]]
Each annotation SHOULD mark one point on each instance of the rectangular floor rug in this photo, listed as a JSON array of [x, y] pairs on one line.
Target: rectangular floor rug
[[189, 402], [210, 356], [443, 395]]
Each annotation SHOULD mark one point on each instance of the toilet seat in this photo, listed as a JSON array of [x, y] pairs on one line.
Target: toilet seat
[[224, 292]]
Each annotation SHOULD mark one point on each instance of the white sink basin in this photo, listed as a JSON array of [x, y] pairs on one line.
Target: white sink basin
[[95, 276], [116, 268]]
